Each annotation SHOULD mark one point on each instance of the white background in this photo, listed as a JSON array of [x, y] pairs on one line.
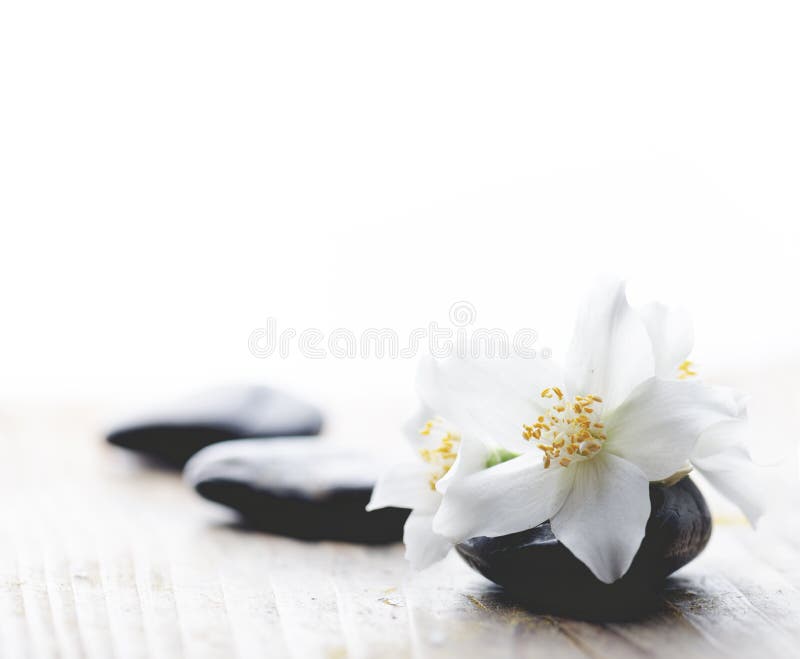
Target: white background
[[174, 173]]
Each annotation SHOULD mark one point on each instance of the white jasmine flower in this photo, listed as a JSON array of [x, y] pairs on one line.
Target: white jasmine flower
[[721, 454], [592, 437], [443, 456]]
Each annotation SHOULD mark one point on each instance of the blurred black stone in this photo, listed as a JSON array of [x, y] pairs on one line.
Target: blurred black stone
[[537, 571], [305, 488], [176, 432]]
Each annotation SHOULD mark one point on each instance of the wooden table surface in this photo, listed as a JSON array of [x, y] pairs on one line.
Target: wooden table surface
[[104, 556]]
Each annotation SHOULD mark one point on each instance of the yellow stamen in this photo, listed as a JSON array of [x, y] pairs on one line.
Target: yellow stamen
[[444, 455], [570, 430], [685, 370]]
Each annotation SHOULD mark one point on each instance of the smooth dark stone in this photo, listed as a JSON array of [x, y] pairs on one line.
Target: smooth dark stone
[[176, 432], [538, 571], [306, 488]]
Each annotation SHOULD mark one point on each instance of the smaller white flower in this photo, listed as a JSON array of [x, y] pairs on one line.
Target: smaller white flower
[[443, 456]]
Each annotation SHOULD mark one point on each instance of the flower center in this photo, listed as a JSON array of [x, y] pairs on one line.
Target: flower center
[[443, 448], [570, 430]]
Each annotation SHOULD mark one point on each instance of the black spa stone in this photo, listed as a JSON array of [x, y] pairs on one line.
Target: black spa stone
[[177, 431], [307, 488], [538, 571]]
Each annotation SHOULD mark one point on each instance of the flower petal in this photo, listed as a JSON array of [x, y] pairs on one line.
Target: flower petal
[[405, 485], [721, 437], [722, 459], [657, 427], [487, 398], [739, 483], [423, 546], [604, 517], [509, 497], [611, 351], [672, 336], [472, 456]]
